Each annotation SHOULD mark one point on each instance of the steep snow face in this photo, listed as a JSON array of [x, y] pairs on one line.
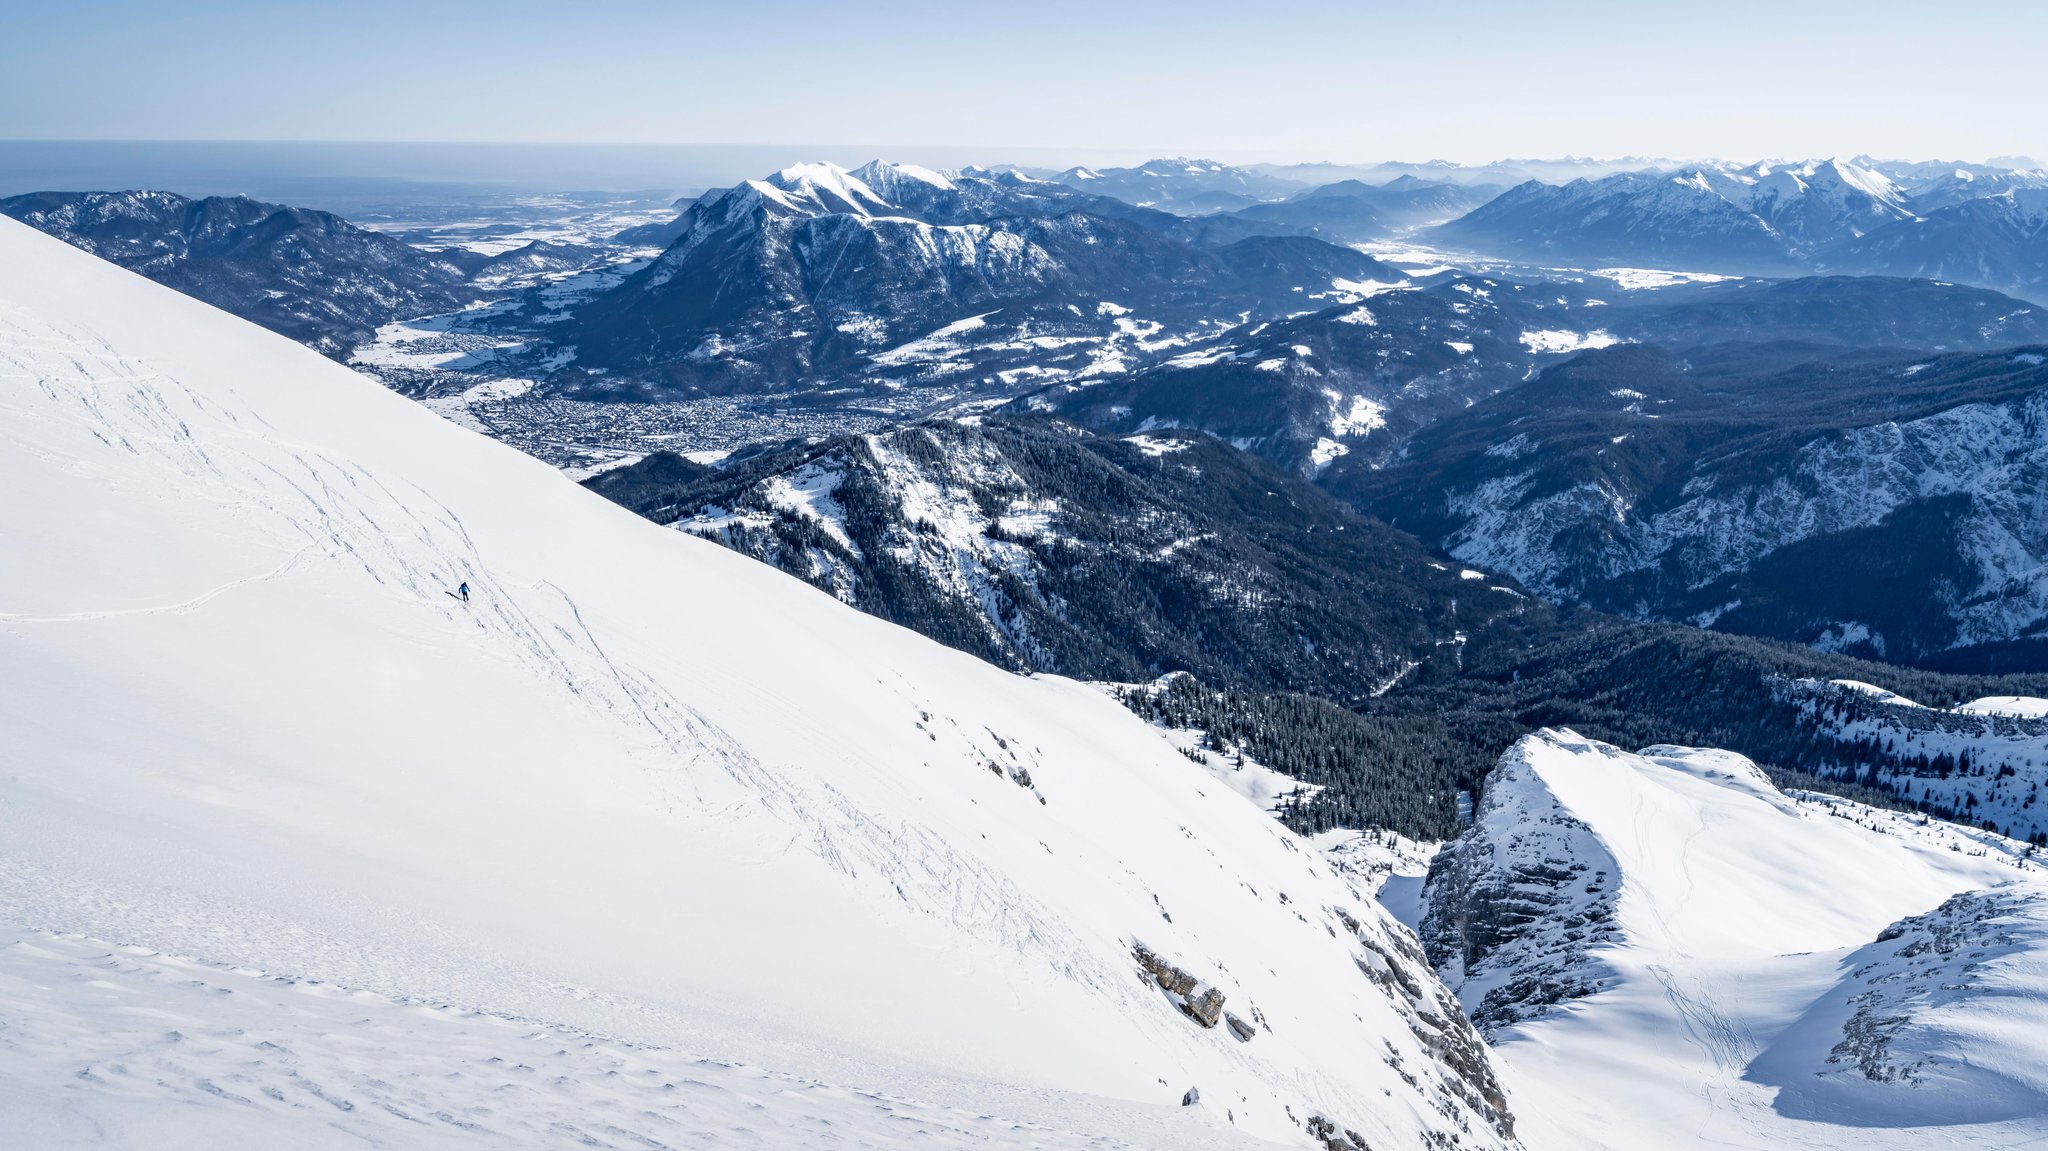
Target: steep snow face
[[636, 786], [1722, 959]]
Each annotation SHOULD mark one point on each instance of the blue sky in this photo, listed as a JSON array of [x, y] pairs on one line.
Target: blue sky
[[1464, 79]]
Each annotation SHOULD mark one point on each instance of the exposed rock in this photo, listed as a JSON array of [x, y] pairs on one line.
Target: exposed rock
[[1197, 1000], [1517, 904], [1238, 1027]]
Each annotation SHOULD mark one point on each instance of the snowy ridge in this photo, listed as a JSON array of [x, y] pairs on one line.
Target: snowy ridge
[[1982, 763], [629, 788], [1749, 972]]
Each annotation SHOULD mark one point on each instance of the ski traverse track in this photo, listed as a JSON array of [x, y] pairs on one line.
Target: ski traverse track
[[262, 779]]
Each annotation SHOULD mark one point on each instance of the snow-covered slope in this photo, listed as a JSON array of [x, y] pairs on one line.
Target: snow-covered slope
[[1728, 965], [638, 786]]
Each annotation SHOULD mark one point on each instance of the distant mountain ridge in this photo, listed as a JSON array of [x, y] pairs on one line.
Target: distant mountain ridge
[[306, 274], [1888, 510], [1182, 185], [891, 275], [1971, 224]]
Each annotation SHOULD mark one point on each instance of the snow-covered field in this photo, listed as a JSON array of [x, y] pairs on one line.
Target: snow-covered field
[[639, 802], [1748, 986]]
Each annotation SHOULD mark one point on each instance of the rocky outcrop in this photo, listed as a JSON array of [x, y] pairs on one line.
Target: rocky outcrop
[[1196, 999], [1516, 904]]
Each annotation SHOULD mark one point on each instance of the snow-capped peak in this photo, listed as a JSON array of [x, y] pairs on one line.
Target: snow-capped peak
[[902, 184], [824, 186]]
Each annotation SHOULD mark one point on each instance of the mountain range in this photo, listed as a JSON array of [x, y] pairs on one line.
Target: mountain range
[[891, 276], [1354, 382], [1980, 227], [1876, 508], [361, 767]]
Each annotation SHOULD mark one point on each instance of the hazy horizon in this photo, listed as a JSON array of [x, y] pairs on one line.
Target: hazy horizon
[[356, 174], [1468, 81]]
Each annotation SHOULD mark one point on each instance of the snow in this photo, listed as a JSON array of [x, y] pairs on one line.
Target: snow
[[1881, 695], [171, 1052], [821, 187], [1747, 923], [1468, 573], [2021, 706], [1391, 866], [1156, 446], [1559, 340], [1649, 279], [1363, 415], [933, 345], [808, 492], [1352, 291], [639, 789], [613, 463]]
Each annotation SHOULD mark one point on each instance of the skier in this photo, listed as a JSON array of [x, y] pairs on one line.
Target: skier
[[463, 591]]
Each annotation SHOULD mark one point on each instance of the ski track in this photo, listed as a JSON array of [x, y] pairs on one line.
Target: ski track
[[416, 548], [242, 1054]]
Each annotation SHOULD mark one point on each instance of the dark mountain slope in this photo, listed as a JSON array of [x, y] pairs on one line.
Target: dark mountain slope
[[309, 275], [890, 275], [1038, 545], [1890, 510]]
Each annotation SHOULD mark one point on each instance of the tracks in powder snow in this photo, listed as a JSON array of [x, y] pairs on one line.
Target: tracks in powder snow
[[290, 1062], [334, 518]]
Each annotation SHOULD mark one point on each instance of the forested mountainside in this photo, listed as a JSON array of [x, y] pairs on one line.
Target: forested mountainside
[[1042, 546], [309, 275]]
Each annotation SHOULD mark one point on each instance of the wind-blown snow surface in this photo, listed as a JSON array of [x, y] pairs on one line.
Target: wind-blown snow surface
[[639, 792], [1734, 966]]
